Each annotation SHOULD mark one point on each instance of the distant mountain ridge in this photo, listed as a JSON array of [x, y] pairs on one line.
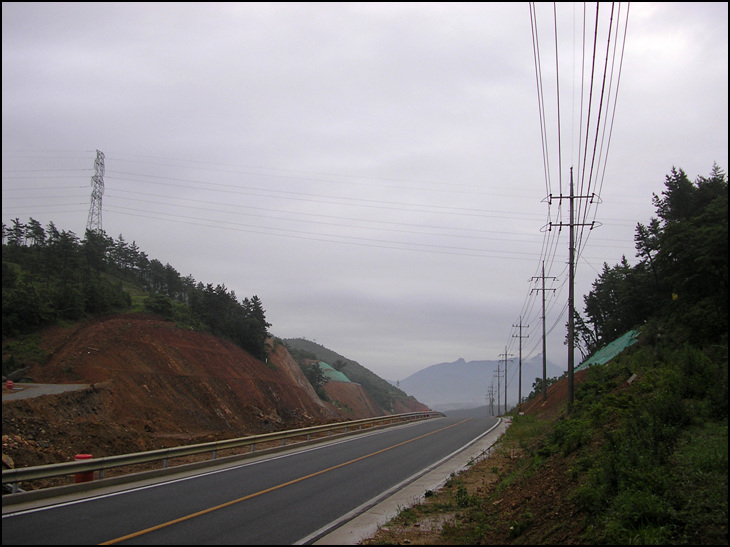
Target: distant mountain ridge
[[461, 384]]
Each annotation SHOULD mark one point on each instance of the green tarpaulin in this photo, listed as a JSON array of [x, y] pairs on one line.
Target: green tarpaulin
[[606, 353], [331, 373]]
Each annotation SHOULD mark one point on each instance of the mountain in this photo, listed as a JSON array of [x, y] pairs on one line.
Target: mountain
[[462, 384], [388, 397]]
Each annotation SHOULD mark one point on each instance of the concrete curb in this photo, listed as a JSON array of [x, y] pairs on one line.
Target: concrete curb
[[366, 523]]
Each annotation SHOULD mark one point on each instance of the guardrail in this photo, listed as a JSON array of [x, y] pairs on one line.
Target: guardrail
[[15, 476]]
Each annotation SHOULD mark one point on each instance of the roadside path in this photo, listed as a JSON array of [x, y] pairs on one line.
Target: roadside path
[[26, 391]]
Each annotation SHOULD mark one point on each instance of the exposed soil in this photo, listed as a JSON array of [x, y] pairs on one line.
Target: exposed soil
[[153, 385], [534, 510]]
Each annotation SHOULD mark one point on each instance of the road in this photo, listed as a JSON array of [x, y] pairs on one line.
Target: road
[[284, 499], [27, 390]]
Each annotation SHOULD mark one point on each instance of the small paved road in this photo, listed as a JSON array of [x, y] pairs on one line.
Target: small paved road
[[25, 391]]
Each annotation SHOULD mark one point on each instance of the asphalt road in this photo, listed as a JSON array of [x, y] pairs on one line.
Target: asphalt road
[[285, 499], [25, 391]]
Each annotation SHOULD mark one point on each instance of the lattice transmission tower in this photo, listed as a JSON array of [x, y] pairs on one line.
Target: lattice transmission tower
[[97, 181]]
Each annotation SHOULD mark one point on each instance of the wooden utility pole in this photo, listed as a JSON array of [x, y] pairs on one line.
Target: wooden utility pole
[[519, 385], [490, 399], [571, 283], [498, 409], [544, 344], [505, 355]]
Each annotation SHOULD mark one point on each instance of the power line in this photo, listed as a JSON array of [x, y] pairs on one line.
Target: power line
[[593, 131]]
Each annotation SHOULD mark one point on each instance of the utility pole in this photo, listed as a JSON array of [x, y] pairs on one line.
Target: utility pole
[[505, 355], [93, 224], [519, 385], [490, 399], [505, 407], [544, 357], [571, 283]]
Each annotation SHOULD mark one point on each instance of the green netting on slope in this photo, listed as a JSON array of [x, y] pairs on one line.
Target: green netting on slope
[[606, 353], [332, 374]]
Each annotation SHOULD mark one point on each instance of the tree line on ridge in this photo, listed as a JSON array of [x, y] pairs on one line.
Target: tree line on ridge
[[50, 275]]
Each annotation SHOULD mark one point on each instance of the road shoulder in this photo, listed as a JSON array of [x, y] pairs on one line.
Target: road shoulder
[[367, 521]]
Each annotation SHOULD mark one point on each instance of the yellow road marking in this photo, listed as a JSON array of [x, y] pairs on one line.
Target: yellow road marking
[[266, 491]]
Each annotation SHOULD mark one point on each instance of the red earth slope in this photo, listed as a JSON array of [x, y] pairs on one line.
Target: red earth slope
[[154, 385]]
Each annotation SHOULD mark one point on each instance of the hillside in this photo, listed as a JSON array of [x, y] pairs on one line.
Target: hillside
[[640, 459], [154, 385], [388, 397]]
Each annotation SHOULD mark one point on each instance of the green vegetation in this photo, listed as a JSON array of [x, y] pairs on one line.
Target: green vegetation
[[681, 278], [646, 450], [642, 456], [383, 393], [641, 463], [306, 361], [18, 354], [657, 471], [51, 276], [537, 386]]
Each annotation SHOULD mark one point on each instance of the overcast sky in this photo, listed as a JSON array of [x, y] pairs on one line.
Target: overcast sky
[[378, 174]]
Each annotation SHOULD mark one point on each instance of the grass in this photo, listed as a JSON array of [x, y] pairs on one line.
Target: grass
[[22, 351], [644, 462]]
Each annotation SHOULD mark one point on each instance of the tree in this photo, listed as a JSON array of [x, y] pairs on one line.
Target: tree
[[646, 241], [94, 248], [693, 254], [316, 378], [618, 301], [72, 290], [157, 276], [172, 282], [36, 234], [682, 275], [159, 304], [133, 256], [585, 338], [678, 197], [16, 234], [24, 309], [256, 326], [143, 268], [66, 249], [537, 386]]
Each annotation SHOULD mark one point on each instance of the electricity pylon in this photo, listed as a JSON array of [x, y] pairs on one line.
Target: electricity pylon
[[93, 224]]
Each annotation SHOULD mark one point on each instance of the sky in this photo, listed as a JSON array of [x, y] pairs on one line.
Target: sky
[[388, 178]]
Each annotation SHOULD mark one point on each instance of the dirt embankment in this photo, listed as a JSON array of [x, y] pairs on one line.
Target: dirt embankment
[[556, 398], [153, 385], [352, 399]]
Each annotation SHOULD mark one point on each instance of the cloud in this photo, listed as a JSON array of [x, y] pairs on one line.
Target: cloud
[[373, 172]]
